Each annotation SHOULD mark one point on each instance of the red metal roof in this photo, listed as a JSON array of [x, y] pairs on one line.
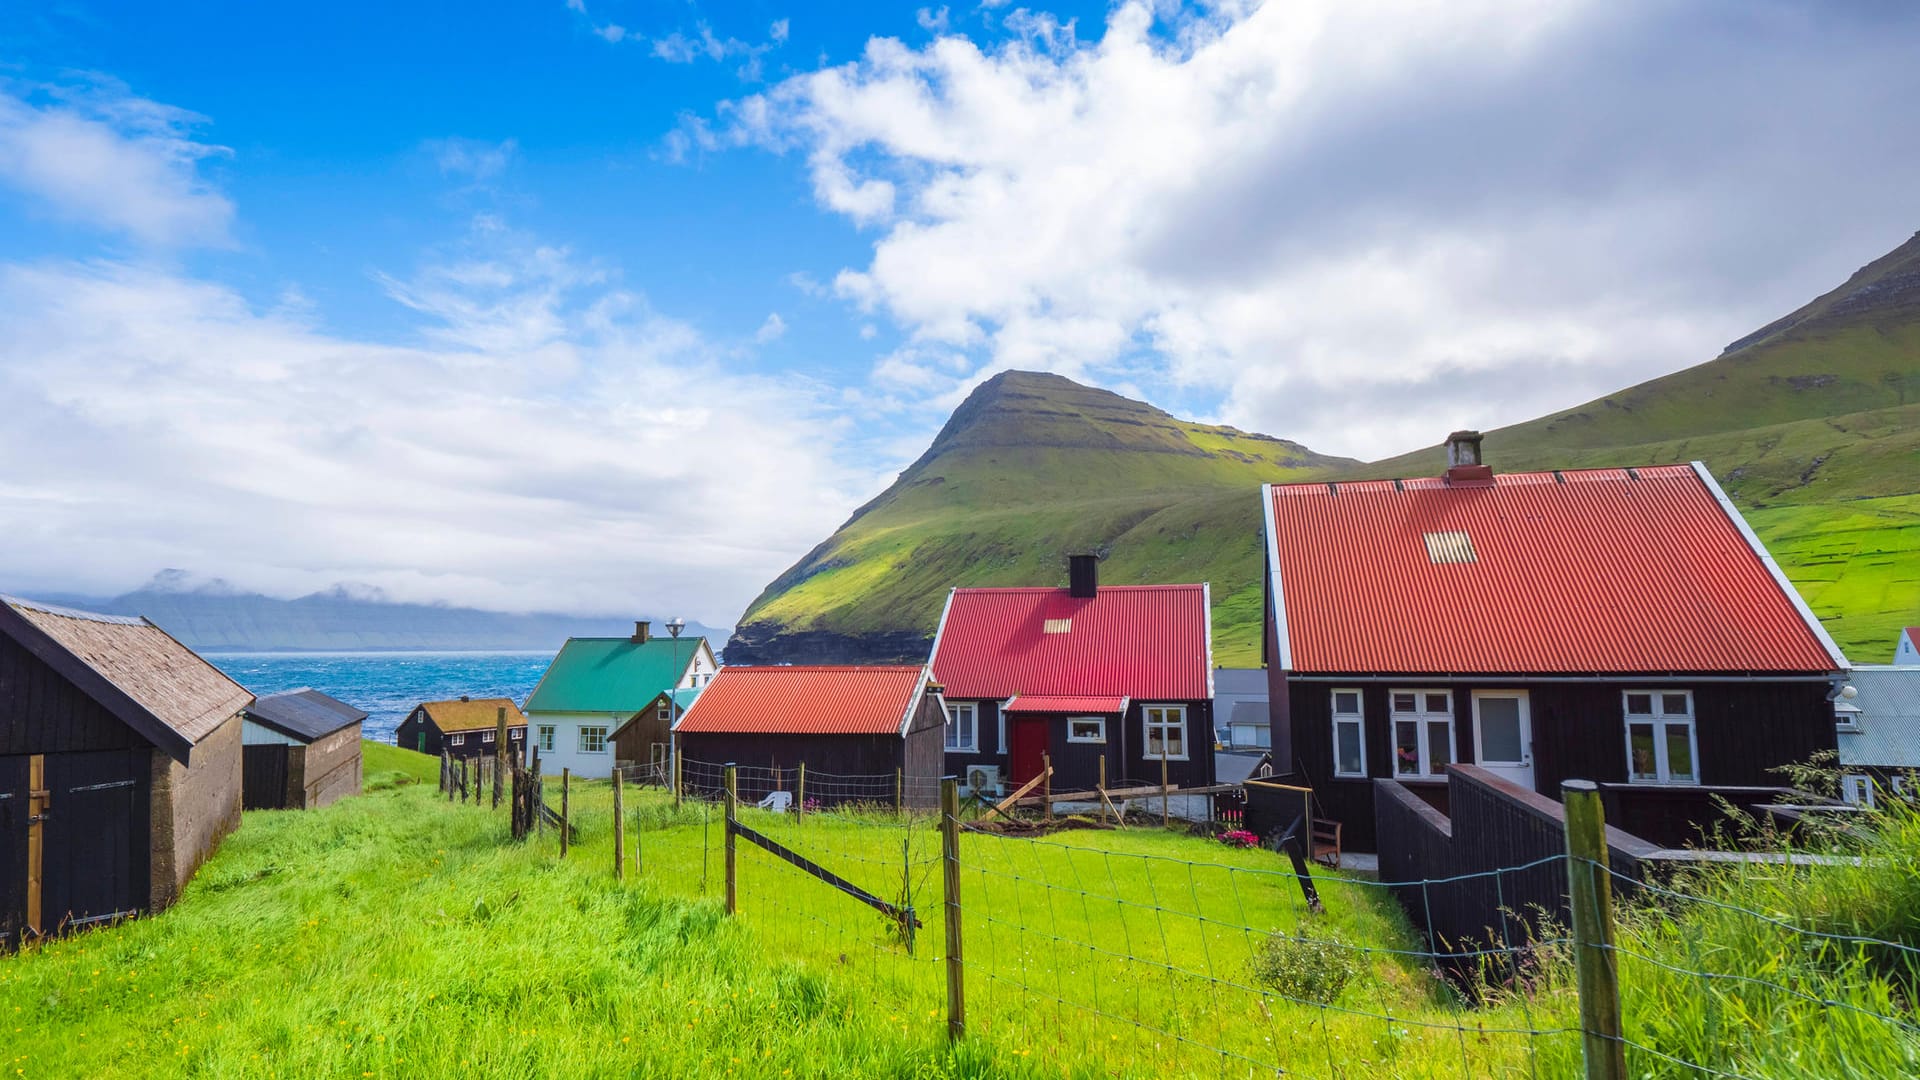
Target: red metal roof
[[804, 701], [1604, 570], [1042, 703], [1140, 641]]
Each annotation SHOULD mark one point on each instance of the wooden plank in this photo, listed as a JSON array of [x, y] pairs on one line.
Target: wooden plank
[[950, 880], [36, 838], [1001, 806]]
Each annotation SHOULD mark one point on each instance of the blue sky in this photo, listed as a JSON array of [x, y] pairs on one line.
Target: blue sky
[[607, 306]]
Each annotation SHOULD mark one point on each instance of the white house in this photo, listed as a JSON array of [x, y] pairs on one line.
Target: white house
[[1906, 652], [594, 685]]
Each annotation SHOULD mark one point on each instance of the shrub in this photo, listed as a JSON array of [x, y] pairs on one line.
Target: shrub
[[1239, 838], [1304, 967]]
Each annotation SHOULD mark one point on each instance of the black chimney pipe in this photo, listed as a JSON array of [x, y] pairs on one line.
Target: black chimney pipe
[[1083, 576]]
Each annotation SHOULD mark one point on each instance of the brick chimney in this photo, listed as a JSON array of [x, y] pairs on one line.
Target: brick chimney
[[1083, 575], [1464, 465], [642, 630]]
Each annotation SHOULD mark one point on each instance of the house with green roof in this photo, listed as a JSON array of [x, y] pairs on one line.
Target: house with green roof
[[595, 685]]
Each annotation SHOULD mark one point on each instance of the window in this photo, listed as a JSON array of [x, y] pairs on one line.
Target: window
[[593, 739], [1349, 734], [664, 714], [487, 736], [1660, 746], [1846, 717], [1857, 790], [1087, 729], [1258, 736], [1422, 731], [546, 738], [1166, 731], [962, 735], [456, 740], [1001, 713]]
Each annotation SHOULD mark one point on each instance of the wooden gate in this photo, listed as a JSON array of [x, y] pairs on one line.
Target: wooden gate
[[263, 777], [94, 838]]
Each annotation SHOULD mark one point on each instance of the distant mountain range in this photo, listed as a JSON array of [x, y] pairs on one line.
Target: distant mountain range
[[1812, 423], [212, 616]]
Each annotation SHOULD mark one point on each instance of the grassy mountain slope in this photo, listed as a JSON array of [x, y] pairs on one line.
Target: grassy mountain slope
[[1029, 468], [1812, 424]]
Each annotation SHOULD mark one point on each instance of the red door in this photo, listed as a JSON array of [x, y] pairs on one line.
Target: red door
[[1029, 739]]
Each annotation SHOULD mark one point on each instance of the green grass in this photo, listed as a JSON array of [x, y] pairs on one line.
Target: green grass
[[396, 934]]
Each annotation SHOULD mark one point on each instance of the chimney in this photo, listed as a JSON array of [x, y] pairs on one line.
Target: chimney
[[464, 697], [1464, 465], [642, 630], [1083, 575]]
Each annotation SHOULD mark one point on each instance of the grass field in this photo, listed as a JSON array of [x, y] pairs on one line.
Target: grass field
[[396, 934]]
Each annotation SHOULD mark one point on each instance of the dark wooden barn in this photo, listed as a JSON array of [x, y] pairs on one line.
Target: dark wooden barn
[[852, 727], [119, 767], [1077, 676], [646, 737], [1617, 625], [464, 727], [301, 751]]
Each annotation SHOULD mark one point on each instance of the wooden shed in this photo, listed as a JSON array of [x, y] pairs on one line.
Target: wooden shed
[[646, 737], [855, 725], [301, 751], [119, 766]]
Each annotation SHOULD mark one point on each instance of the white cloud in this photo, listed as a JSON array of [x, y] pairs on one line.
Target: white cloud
[[552, 443], [772, 330], [932, 19], [96, 154], [1361, 223], [614, 33], [476, 161]]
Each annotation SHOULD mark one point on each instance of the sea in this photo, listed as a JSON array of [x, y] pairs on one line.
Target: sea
[[388, 684]]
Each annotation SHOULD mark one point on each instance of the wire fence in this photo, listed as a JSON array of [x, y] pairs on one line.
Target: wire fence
[[1127, 951]]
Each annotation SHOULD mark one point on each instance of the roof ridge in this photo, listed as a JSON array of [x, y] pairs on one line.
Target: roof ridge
[[74, 613], [1623, 472]]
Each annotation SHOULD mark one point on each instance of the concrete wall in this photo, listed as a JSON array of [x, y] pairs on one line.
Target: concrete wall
[[194, 807], [325, 771]]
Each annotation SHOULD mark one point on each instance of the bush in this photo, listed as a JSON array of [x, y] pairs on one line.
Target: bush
[[1305, 968], [1239, 838]]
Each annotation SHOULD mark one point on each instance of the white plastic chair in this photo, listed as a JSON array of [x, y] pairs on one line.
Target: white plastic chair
[[777, 801]]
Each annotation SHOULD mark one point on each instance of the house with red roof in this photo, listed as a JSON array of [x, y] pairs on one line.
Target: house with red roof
[[1906, 651], [1075, 675], [1618, 625], [854, 728]]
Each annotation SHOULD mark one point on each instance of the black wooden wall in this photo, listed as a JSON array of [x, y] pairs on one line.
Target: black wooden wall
[[42, 713]]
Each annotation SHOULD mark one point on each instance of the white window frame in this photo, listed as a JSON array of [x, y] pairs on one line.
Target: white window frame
[[544, 738], [1100, 738], [1357, 719], [1846, 721], [972, 743], [1857, 789], [1000, 715], [487, 736], [1661, 720], [1422, 719], [664, 712], [1148, 724], [458, 738], [580, 738]]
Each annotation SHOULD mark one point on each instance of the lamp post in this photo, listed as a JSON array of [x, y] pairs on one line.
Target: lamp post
[[674, 626]]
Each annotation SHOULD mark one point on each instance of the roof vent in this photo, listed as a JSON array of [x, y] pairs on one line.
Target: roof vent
[[642, 630], [1057, 626], [1465, 467], [1450, 547]]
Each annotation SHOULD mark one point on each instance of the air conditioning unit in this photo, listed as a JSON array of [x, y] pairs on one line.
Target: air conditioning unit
[[983, 780]]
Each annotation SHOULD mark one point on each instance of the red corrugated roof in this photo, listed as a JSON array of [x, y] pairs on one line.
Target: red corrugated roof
[[1139, 641], [804, 701], [1041, 703], [1600, 570]]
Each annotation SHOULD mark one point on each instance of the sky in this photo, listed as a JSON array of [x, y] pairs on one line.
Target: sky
[[605, 306]]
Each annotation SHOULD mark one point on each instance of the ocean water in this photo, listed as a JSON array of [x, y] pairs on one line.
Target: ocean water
[[388, 684]]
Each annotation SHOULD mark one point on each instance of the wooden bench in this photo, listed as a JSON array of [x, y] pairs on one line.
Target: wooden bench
[[1325, 845]]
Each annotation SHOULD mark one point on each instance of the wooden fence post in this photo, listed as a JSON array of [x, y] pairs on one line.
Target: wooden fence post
[[446, 775], [676, 774], [499, 753], [619, 831], [950, 858], [539, 797], [566, 792], [899, 791], [1103, 789], [1046, 784], [1590, 895], [733, 808], [1163, 779], [800, 793]]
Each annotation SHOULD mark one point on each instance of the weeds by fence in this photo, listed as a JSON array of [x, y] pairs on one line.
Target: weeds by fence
[[1119, 952]]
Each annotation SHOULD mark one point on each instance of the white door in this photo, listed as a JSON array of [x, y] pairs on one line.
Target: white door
[[1503, 735]]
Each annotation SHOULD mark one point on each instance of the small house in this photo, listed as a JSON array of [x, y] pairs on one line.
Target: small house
[[300, 751], [1617, 625], [1240, 709], [1120, 674], [464, 727], [1906, 650], [595, 685], [1879, 733], [854, 728], [646, 737], [119, 766]]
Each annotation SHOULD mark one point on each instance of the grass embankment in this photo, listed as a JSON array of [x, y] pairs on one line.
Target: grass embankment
[[396, 934]]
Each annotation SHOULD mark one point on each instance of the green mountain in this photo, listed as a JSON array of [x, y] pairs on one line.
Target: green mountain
[[1029, 468], [1812, 423]]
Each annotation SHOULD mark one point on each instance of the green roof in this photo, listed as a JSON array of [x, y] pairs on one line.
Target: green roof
[[611, 675]]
